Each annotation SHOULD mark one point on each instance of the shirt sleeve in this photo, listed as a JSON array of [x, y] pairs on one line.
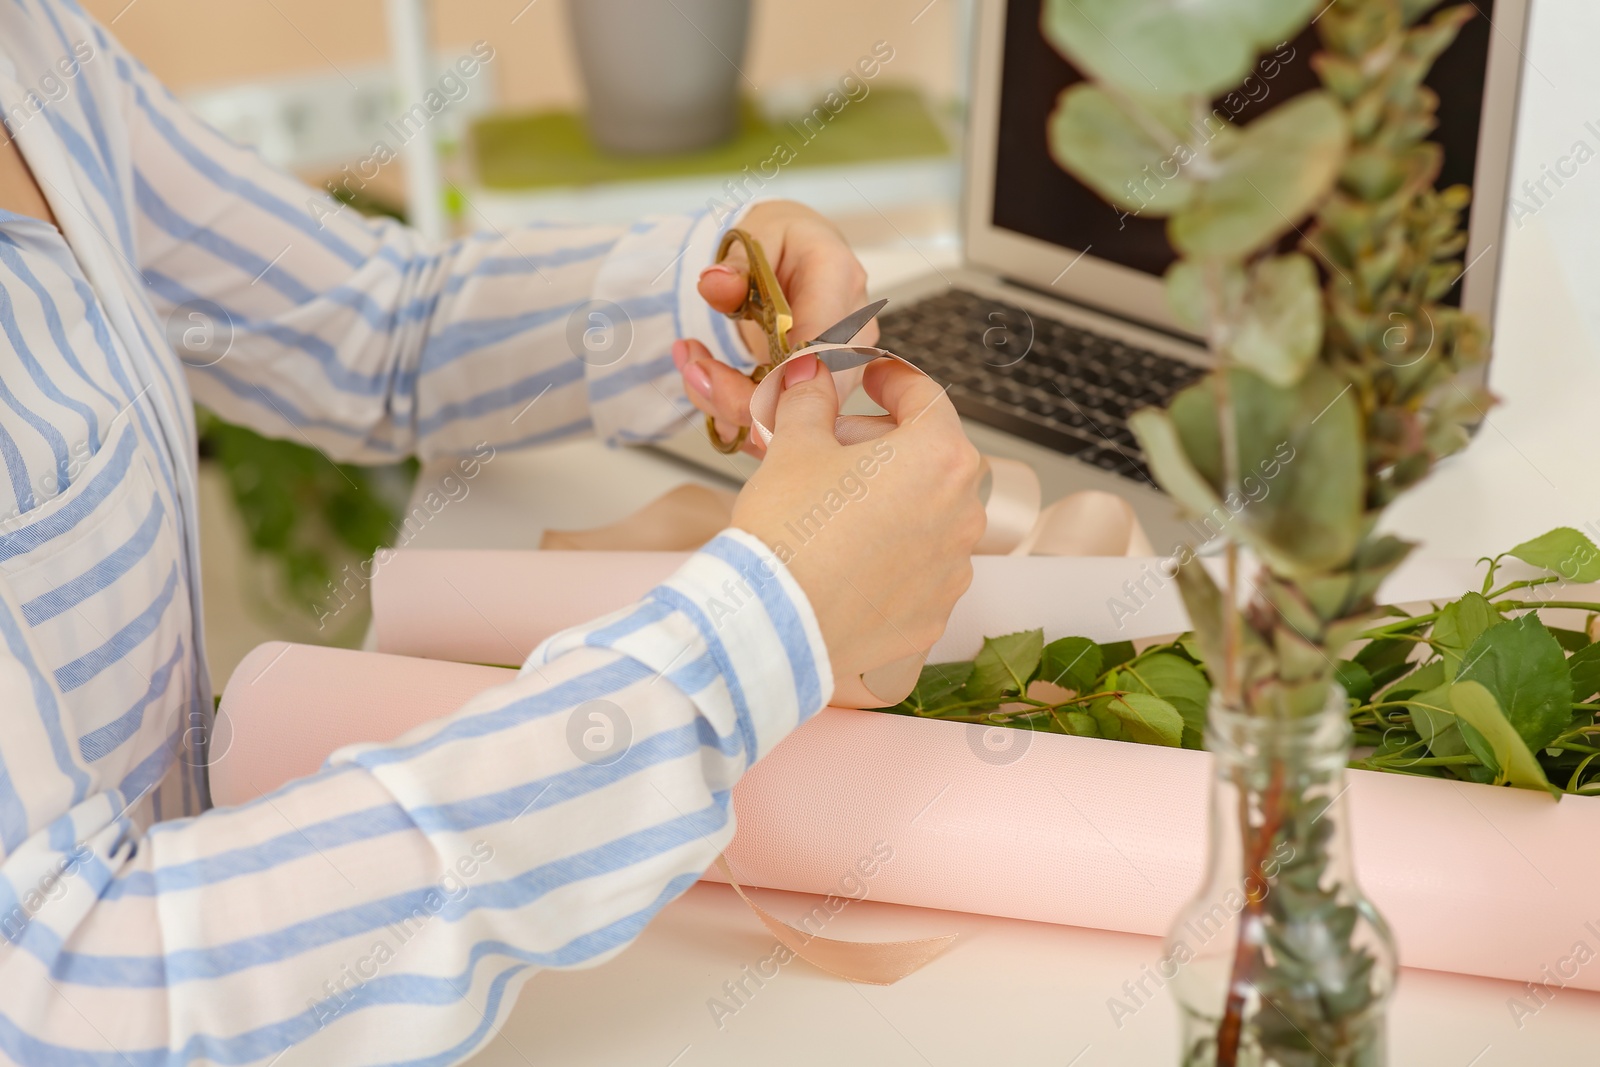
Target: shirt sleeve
[[302, 319], [387, 909]]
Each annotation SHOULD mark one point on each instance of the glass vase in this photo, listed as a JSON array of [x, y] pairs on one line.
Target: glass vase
[[1281, 961]]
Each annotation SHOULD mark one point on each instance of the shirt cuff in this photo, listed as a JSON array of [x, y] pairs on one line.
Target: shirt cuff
[[734, 632], [718, 332], [646, 296]]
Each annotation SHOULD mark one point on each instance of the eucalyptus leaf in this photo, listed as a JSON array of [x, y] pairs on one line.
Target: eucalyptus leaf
[[1006, 665], [1523, 668], [1072, 663], [1273, 174], [1310, 518], [1203, 601], [1477, 706], [1173, 47], [1163, 445], [1562, 551], [1188, 295], [1126, 161], [1280, 331]]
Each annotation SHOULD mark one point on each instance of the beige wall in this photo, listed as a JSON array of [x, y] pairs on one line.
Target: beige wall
[[192, 43]]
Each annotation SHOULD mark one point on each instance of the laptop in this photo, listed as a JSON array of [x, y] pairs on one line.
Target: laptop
[[1055, 327]]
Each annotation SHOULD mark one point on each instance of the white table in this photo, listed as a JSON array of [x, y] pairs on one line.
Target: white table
[[1013, 993]]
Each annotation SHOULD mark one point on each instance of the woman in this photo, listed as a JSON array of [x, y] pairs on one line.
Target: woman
[[387, 908]]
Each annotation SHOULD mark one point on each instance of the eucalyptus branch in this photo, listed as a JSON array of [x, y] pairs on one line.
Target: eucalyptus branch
[[1305, 353]]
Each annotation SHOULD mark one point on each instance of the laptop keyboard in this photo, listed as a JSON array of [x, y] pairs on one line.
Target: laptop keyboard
[[1045, 381]]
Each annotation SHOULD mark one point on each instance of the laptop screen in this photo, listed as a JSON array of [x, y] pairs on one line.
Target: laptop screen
[[1034, 197]]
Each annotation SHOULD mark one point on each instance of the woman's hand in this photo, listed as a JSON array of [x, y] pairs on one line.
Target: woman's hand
[[822, 280], [879, 534]]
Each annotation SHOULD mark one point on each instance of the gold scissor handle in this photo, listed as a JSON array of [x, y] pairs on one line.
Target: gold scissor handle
[[765, 305]]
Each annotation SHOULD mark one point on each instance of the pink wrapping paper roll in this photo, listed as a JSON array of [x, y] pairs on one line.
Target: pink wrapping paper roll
[[1492, 882], [496, 606]]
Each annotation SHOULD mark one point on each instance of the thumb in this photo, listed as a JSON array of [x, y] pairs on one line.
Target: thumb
[[723, 287], [808, 404]]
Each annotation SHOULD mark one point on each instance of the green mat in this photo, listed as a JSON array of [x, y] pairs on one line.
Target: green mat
[[552, 148]]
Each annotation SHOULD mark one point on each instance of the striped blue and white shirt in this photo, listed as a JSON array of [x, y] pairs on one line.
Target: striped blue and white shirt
[[137, 926]]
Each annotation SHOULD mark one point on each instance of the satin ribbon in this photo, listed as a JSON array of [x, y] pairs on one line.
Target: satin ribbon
[[872, 962]]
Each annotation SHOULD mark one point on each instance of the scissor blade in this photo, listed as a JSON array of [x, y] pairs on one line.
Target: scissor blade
[[841, 332]]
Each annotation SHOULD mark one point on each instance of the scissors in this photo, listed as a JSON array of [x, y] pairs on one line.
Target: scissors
[[765, 305]]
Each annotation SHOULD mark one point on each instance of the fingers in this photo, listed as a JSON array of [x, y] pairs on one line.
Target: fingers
[[913, 398], [822, 279], [713, 387], [716, 389], [723, 287], [807, 407]]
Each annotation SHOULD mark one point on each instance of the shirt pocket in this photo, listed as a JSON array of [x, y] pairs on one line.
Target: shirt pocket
[[99, 578]]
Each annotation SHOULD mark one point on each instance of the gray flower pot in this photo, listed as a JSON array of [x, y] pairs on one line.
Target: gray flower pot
[[660, 75]]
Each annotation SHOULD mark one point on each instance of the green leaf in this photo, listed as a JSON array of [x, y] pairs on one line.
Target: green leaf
[[1423, 678], [1106, 723], [1460, 624], [1269, 178], [1280, 330], [1179, 683], [936, 686], [1082, 724], [1303, 446], [1584, 666], [1194, 46], [1187, 295], [1480, 747], [1562, 551], [1115, 654], [1476, 705], [1436, 723], [1189, 648], [1164, 447], [1120, 157], [1571, 640], [1072, 663], [1383, 653], [1204, 603], [1006, 665], [1355, 680], [1143, 718], [1523, 668]]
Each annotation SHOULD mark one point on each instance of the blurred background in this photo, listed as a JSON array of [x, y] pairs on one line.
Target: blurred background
[[532, 109]]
